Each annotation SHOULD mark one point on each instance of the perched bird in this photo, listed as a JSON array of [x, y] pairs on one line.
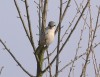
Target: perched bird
[[47, 37]]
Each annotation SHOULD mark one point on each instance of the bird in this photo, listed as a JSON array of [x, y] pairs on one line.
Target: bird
[[47, 37]]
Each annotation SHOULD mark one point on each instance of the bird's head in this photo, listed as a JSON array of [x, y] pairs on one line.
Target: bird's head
[[51, 24]]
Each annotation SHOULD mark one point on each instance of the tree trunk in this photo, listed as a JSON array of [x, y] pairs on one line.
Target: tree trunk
[[40, 55], [39, 70]]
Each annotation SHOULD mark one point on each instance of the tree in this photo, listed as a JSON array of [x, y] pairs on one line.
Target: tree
[[62, 39]]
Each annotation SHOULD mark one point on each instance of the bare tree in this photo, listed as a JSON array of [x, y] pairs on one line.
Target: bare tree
[[83, 13]]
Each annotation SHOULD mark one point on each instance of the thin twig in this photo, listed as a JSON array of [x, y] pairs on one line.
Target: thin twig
[[80, 11], [91, 46], [97, 45], [95, 64], [77, 49], [1, 69], [39, 14]]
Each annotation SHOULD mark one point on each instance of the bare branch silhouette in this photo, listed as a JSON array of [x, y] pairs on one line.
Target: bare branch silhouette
[[79, 18], [63, 14], [59, 35], [8, 50], [91, 46]]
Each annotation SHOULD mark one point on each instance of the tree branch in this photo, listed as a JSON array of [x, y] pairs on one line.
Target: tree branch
[[78, 57], [1, 69], [24, 26], [8, 50], [77, 49], [78, 7], [29, 25], [91, 45], [44, 15], [74, 26], [20, 16], [40, 7], [49, 63], [59, 33], [65, 10]]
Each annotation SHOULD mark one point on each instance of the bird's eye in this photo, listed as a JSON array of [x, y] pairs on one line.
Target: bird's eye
[[54, 25]]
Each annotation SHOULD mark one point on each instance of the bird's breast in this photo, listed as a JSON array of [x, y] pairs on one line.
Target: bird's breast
[[49, 37]]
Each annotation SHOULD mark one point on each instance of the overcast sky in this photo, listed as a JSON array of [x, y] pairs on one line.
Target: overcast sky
[[12, 32]]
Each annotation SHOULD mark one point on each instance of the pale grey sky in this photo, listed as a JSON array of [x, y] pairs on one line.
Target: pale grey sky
[[12, 32]]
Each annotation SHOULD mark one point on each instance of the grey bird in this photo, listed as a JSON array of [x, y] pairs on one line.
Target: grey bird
[[48, 37]]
